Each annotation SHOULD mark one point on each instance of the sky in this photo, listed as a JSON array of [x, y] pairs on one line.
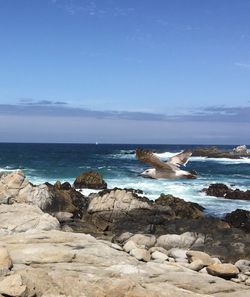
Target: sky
[[125, 71]]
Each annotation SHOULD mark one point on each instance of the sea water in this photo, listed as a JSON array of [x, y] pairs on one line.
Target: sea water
[[120, 168]]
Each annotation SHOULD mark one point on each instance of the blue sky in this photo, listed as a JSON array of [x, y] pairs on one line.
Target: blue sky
[[149, 71]]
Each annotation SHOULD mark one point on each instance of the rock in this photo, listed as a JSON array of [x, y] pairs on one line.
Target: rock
[[247, 282], [110, 206], [214, 152], [129, 246], [177, 253], [146, 240], [158, 249], [239, 218], [181, 208], [15, 187], [183, 241], [5, 261], [90, 180], [217, 190], [116, 247], [123, 237], [63, 216], [243, 265], [205, 259], [159, 256], [241, 149], [13, 286], [221, 190], [242, 277], [17, 218], [140, 254], [226, 270], [196, 265]]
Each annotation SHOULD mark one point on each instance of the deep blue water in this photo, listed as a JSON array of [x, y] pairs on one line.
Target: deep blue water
[[117, 163]]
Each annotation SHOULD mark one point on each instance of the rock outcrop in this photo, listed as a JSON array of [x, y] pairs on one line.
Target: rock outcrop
[[239, 218], [53, 263], [222, 190], [15, 187], [90, 180], [214, 152], [121, 210]]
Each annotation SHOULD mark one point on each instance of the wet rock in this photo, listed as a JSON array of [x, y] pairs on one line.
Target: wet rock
[[181, 208], [90, 180], [217, 190], [226, 270], [239, 218], [222, 190]]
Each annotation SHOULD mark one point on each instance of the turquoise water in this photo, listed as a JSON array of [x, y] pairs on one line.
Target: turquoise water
[[117, 163]]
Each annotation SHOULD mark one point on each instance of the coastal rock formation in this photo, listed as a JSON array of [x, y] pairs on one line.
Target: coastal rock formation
[[24, 217], [121, 210], [222, 190], [241, 149], [214, 152], [90, 180], [239, 218], [15, 187], [53, 263]]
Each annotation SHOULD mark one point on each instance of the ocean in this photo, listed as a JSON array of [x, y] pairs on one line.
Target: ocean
[[119, 167]]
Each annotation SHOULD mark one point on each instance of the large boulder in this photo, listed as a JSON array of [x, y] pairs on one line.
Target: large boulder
[[225, 270], [181, 208], [18, 218], [122, 210], [90, 180], [15, 188]]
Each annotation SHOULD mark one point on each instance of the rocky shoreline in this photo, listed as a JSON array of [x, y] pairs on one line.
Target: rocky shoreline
[[54, 241], [214, 152]]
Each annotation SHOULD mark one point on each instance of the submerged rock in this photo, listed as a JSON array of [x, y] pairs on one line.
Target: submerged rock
[[90, 180]]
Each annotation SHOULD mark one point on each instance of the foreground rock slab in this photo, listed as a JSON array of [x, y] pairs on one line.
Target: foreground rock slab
[[53, 263]]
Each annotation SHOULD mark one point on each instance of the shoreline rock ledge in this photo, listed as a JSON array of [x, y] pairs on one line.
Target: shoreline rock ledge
[[38, 258]]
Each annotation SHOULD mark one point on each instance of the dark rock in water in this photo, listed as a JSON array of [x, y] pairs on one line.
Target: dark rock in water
[[181, 208], [239, 219], [214, 152], [217, 190], [63, 200], [221, 190], [90, 180], [238, 194]]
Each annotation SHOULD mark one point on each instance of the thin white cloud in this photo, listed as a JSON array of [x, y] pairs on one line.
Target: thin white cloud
[[243, 65]]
